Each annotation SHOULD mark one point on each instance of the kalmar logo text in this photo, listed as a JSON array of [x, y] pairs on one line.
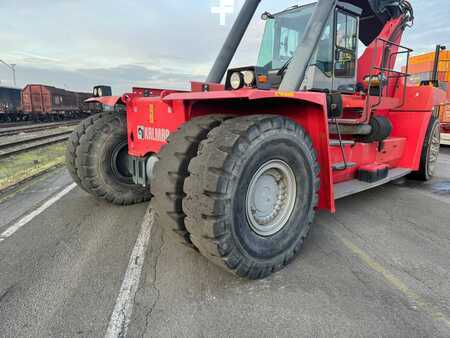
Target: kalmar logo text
[[153, 134]]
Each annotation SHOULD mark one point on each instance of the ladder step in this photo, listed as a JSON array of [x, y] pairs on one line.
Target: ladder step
[[336, 143], [342, 166], [348, 188]]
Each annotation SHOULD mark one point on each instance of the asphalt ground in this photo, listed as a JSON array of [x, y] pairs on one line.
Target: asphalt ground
[[78, 267]]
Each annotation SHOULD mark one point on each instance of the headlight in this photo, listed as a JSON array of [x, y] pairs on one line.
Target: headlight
[[95, 91], [249, 77], [236, 80], [100, 92]]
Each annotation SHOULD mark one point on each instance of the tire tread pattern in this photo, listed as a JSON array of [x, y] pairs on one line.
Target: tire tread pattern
[[86, 146], [422, 174], [74, 143], [171, 171], [206, 193]]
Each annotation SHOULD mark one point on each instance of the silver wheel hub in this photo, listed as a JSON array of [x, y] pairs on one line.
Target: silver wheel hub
[[434, 151], [150, 166], [271, 198]]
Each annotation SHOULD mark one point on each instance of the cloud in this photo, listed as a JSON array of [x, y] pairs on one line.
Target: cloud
[[81, 43], [122, 78]]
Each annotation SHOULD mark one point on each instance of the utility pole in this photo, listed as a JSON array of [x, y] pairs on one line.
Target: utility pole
[[13, 69]]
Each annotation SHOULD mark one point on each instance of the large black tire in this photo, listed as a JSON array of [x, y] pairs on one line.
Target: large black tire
[[72, 146], [216, 191], [430, 152], [172, 169], [101, 160]]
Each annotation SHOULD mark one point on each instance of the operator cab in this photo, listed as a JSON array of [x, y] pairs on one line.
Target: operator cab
[[334, 62]]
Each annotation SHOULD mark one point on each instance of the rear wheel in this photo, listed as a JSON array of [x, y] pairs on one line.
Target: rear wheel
[[430, 152], [72, 146], [101, 161], [172, 169], [251, 194]]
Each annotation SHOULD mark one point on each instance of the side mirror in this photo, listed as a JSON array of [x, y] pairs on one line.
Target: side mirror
[[266, 16]]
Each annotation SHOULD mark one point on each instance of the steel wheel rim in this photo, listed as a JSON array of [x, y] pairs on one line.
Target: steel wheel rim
[[119, 162], [435, 147], [271, 198]]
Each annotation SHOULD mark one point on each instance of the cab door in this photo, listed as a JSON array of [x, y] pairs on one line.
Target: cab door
[[345, 51]]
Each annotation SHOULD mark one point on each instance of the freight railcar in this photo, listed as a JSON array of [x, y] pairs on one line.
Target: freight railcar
[[9, 104], [38, 103], [49, 103]]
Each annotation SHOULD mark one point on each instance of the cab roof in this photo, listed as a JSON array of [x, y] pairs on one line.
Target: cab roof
[[374, 15]]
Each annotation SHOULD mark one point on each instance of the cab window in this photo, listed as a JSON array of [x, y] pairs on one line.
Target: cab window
[[323, 56], [288, 42], [346, 44], [282, 35]]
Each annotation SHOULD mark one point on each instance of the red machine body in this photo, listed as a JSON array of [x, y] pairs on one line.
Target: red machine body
[[402, 149], [152, 118], [237, 171]]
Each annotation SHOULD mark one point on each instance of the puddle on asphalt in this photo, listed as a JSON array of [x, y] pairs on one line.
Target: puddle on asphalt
[[440, 188]]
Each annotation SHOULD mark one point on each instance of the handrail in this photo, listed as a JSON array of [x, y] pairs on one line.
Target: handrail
[[384, 74], [396, 44]]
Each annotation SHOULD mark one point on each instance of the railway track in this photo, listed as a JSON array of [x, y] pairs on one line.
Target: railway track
[[15, 124], [15, 130], [18, 140]]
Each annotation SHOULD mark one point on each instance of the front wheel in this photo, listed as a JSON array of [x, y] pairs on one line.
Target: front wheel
[[430, 152], [97, 158], [251, 194], [172, 169]]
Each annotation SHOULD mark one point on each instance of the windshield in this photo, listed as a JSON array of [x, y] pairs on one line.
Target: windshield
[[282, 35]]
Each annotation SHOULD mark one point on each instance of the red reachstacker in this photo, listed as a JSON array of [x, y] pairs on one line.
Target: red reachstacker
[[238, 170]]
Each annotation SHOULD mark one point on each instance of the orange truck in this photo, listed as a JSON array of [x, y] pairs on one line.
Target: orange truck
[[434, 69]]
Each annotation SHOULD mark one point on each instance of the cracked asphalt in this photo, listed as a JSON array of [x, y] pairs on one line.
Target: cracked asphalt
[[379, 267]]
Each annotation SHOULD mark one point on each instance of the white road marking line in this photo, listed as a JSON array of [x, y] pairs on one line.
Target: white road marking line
[[26, 219], [121, 316]]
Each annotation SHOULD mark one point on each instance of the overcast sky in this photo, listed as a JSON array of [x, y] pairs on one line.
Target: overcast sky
[[77, 44]]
